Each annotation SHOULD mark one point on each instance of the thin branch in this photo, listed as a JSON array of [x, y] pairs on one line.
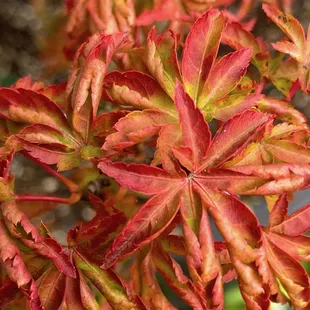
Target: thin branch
[[293, 90], [73, 187], [75, 197]]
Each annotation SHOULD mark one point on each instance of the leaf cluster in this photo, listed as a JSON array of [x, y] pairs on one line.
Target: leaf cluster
[[182, 133]]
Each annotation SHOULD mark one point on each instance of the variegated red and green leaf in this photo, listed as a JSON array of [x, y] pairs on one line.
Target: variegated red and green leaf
[[20, 227], [16, 269], [200, 50], [162, 59], [78, 294], [29, 107], [52, 288], [238, 38], [145, 283], [107, 282], [84, 88], [216, 187], [297, 47]]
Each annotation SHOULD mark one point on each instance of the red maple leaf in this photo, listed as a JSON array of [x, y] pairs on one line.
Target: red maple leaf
[[200, 187]]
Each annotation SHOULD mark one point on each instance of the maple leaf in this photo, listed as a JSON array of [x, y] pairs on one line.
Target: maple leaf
[[206, 189], [114, 289], [180, 12], [283, 143], [45, 131], [92, 237], [88, 71], [282, 73], [145, 284], [90, 16], [286, 244], [35, 266], [12, 261], [57, 285], [236, 36], [297, 47], [21, 228], [47, 126], [195, 177], [208, 82], [79, 295]]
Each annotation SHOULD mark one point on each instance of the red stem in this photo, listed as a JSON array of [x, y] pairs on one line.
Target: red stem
[[72, 187], [75, 197], [70, 184], [260, 87], [293, 90]]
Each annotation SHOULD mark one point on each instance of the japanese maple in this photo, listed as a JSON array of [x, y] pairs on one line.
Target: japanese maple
[[182, 132]]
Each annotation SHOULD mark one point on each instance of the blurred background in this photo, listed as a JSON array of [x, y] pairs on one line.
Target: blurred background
[[31, 43]]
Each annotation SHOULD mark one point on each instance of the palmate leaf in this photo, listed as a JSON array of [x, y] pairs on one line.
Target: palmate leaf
[[195, 178], [48, 136], [179, 12], [282, 73], [238, 38], [27, 106], [291, 27], [46, 132], [107, 282], [56, 288], [200, 51], [214, 186], [88, 17], [201, 75], [214, 94], [89, 68], [284, 143], [91, 235], [9, 290], [144, 281], [162, 60], [79, 295], [285, 244], [12, 261], [297, 47], [21, 228]]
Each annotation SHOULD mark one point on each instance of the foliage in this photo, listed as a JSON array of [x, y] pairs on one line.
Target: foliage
[[190, 132]]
